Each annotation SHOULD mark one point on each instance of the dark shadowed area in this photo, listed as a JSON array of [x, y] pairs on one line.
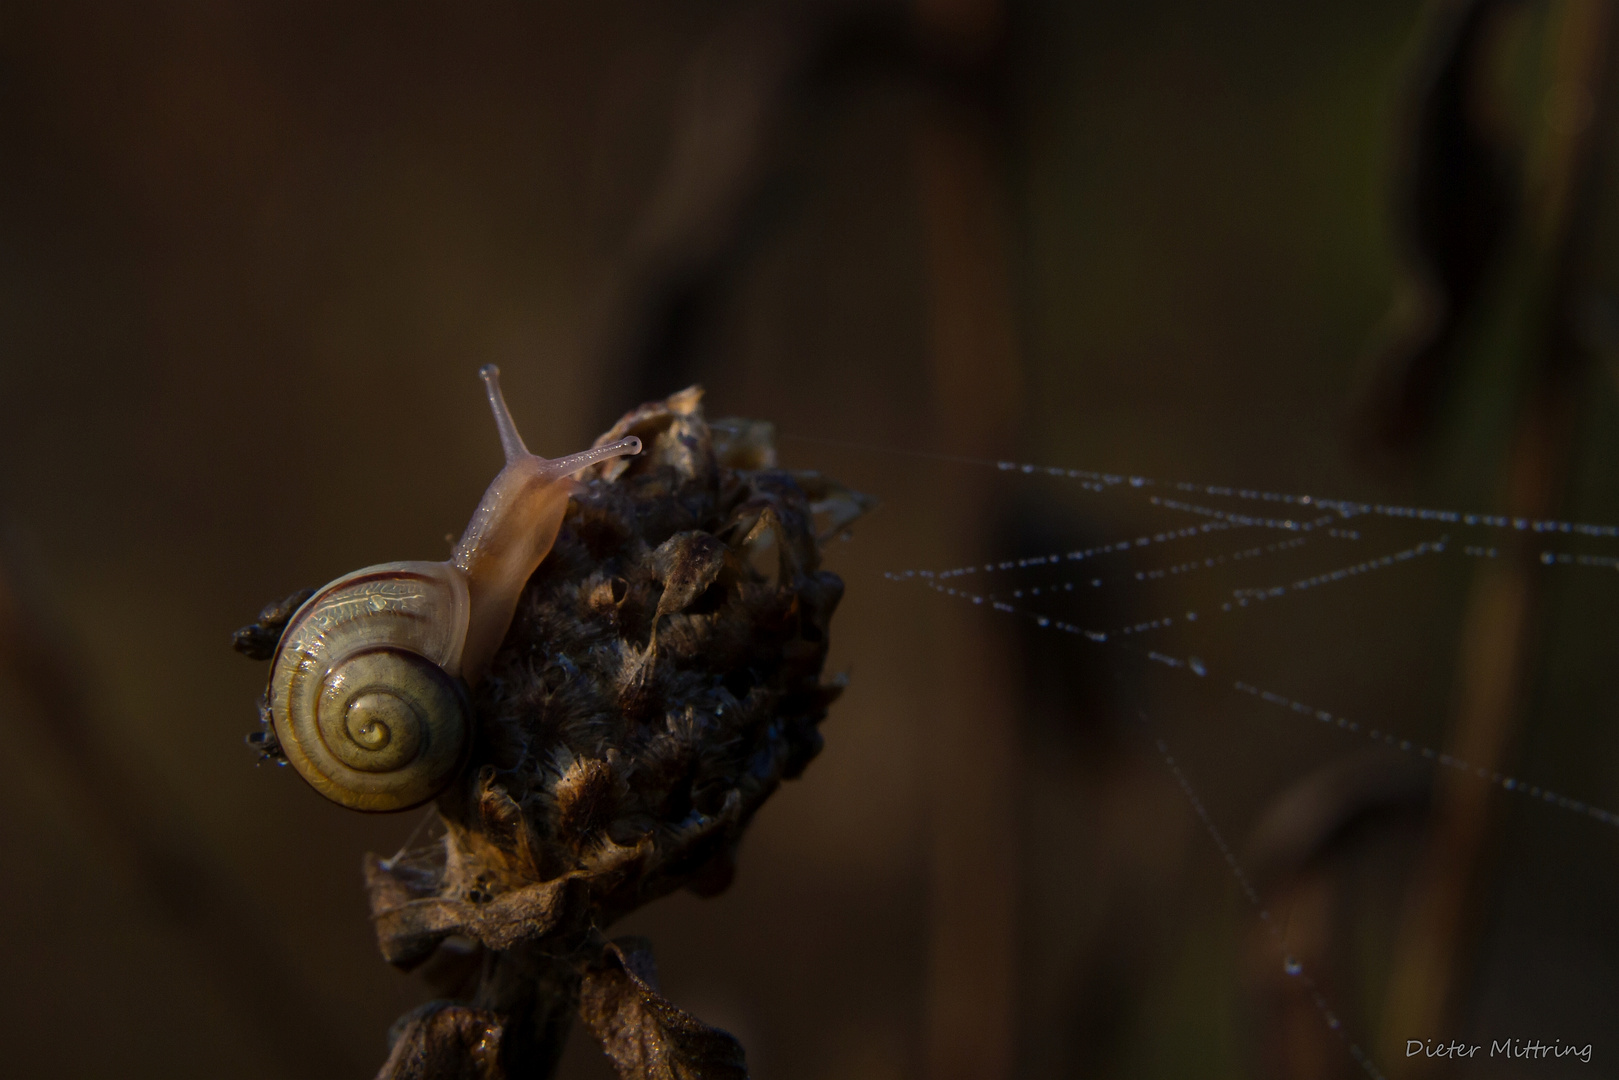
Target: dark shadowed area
[[252, 255]]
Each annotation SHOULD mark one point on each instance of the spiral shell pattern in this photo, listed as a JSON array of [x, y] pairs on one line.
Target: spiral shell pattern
[[366, 694]]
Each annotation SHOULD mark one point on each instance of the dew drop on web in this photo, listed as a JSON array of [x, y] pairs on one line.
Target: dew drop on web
[[1243, 557]]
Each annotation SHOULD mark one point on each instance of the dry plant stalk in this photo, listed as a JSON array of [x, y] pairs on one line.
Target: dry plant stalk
[[661, 677]]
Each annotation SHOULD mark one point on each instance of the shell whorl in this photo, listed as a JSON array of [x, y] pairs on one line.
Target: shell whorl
[[366, 693]]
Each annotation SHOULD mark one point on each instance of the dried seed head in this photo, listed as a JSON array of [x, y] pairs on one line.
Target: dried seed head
[[662, 675]]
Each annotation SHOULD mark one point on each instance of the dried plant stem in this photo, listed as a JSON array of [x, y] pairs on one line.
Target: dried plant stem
[[1497, 655]]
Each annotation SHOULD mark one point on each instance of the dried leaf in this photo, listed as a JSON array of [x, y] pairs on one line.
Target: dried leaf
[[414, 910], [444, 1041], [410, 928], [688, 562], [672, 432], [646, 1036], [834, 505]]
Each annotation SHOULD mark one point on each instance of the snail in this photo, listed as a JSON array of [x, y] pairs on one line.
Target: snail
[[369, 689]]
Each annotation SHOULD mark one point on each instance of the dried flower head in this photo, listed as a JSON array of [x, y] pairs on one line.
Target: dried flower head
[[662, 675]]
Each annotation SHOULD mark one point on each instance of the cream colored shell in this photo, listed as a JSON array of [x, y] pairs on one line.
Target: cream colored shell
[[365, 692]]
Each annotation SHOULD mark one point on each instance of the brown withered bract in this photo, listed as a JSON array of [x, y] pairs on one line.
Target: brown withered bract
[[661, 677]]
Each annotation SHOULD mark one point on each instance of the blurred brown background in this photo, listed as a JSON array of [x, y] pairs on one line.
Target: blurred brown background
[[252, 254]]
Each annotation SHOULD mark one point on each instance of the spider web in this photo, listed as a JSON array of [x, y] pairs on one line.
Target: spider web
[[1216, 559]]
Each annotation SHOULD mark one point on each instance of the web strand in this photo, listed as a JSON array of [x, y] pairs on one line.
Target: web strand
[[1200, 668], [1345, 509], [1035, 588], [1293, 967]]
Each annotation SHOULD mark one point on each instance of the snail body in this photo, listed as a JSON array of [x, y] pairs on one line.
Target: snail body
[[369, 687]]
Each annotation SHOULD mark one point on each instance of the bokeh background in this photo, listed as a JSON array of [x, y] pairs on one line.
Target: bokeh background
[[251, 255]]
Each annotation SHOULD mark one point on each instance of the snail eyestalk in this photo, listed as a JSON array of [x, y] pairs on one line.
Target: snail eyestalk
[[510, 441], [628, 446]]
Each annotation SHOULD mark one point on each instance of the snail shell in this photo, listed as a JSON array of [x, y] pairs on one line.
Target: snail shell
[[366, 692], [369, 688]]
